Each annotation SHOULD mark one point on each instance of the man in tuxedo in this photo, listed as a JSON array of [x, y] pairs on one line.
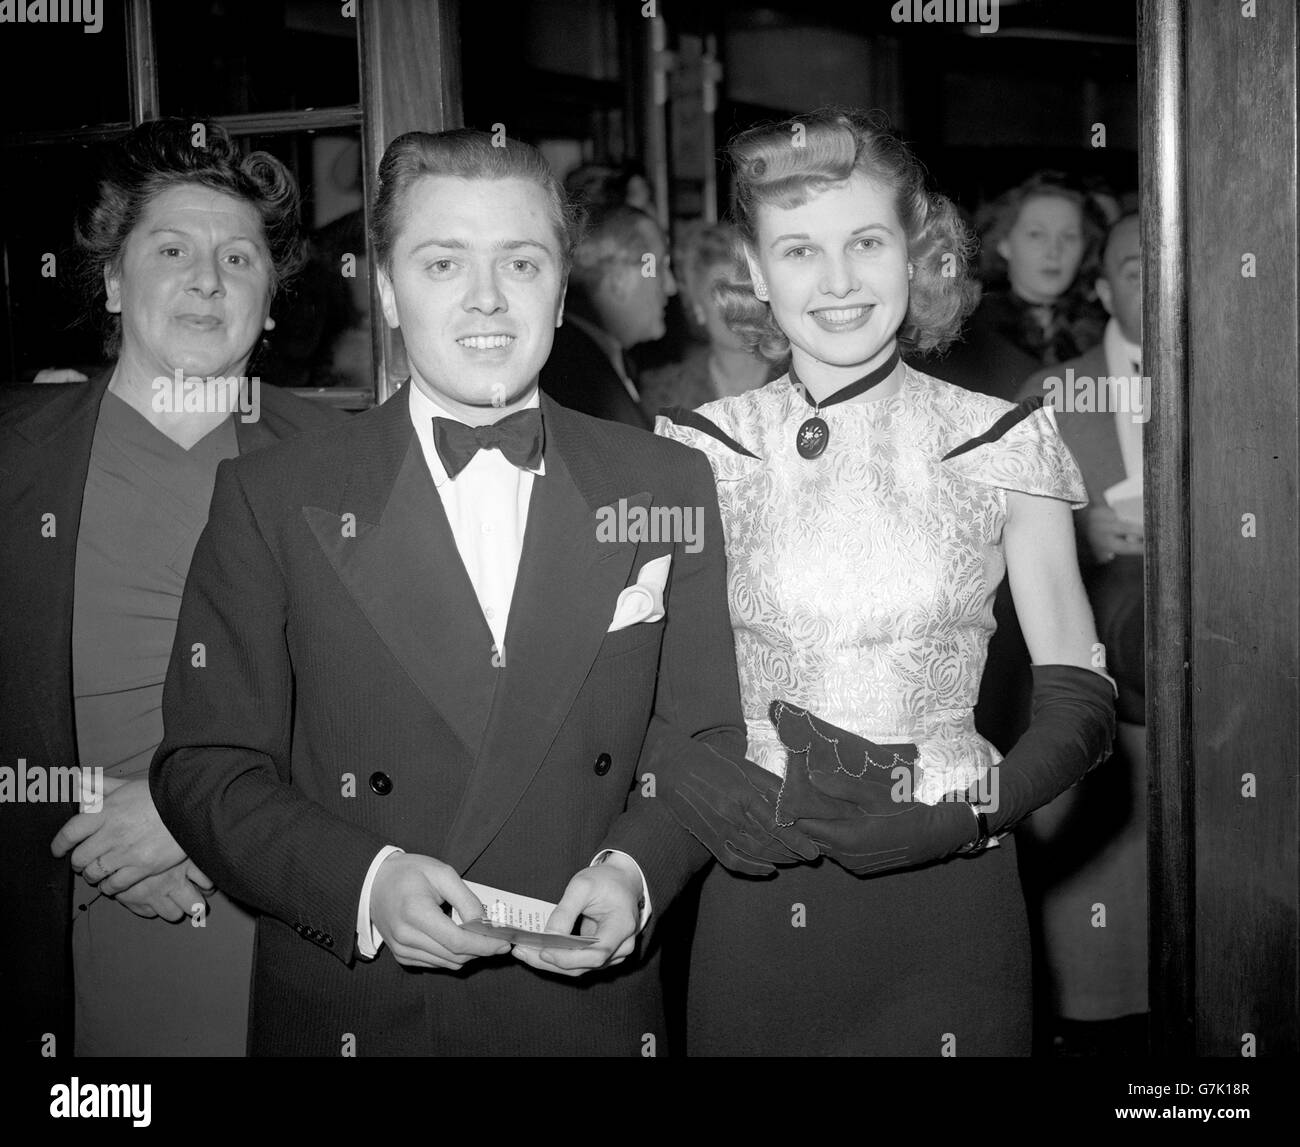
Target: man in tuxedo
[[618, 292], [409, 657]]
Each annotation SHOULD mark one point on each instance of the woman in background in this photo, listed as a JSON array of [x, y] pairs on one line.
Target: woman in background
[[107, 491], [1040, 243], [869, 512], [720, 365]]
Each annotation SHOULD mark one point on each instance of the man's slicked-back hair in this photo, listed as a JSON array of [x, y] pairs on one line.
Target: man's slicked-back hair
[[464, 153]]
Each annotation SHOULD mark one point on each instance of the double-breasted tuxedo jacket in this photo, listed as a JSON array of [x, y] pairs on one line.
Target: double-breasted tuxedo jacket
[[46, 434], [335, 688]]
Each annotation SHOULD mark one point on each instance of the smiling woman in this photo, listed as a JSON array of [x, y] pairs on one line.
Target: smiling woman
[[864, 546]]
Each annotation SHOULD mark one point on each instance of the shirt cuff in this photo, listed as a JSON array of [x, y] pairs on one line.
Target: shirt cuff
[[369, 941], [604, 855]]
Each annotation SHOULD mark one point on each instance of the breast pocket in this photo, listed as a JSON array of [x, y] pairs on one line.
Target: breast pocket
[[642, 635]]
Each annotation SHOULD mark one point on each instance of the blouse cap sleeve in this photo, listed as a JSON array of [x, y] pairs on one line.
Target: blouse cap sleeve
[[729, 459], [1023, 451]]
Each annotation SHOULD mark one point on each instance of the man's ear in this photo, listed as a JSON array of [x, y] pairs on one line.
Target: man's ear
[[113, 290], [559, 308], [387, 299], [1106, 293]]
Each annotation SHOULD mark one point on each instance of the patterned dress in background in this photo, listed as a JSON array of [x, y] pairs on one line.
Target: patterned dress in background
[[861, 586]]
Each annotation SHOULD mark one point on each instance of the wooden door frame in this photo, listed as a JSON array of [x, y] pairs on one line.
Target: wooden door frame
[[1217, 99]]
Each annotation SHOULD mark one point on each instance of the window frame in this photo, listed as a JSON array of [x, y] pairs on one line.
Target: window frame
[[398, 92]]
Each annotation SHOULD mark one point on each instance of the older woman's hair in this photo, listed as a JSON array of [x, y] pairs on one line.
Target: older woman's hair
[[994, 222], [464, 154], [615, 236], [700, 246], [174, 152], [786, 164]]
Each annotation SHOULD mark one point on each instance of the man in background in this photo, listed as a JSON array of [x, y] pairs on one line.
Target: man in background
[[618, 291]]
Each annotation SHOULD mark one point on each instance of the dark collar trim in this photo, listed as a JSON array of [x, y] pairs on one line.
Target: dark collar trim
[[683, 417], [1000, 427]]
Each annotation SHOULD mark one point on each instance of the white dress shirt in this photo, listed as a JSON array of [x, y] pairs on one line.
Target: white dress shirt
[[487, 508], [1124, 360]]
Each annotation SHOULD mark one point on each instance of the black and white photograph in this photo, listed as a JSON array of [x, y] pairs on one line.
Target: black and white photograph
[[547, 529]]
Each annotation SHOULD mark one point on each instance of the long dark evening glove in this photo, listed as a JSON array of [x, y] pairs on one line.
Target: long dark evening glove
[[1071, 732], [727, 802], [867, 830]]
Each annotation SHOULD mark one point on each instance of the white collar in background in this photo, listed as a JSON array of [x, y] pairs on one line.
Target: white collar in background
[[1121, 354]]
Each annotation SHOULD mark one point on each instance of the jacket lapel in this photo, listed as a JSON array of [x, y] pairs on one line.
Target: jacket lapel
[[563, 603], [404, 572], [51, 480]]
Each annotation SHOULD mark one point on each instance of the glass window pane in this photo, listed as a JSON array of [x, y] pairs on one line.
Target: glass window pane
[[245, 56], [322, 332], [47, 324], [47, 71]]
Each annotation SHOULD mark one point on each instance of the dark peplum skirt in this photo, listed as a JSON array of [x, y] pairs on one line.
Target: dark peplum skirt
[[817, 961]]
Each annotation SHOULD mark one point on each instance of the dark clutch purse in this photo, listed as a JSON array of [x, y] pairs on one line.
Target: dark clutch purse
[[828, 768]]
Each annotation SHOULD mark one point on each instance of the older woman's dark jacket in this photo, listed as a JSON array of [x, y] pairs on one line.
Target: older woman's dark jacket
[[46, 434]]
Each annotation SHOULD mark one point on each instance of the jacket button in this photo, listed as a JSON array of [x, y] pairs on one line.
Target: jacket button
[[602, 765], [381, 783]]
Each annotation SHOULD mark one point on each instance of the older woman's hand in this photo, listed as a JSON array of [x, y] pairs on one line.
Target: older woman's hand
[[122, 844], [178, 892]]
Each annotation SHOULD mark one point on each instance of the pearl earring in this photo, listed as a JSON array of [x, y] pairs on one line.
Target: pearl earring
[[760, 290]]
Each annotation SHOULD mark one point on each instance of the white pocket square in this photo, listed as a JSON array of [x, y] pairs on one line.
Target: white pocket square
[[643, 601]]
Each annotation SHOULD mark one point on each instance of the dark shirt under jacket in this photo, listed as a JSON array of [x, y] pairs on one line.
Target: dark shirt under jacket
[[46, 435], [1005, 342], [580, 376]]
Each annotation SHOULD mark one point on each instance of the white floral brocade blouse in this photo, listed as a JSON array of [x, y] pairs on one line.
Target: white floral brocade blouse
[[861, 583]]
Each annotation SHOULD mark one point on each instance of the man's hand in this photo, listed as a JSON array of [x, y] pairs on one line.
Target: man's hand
[[125, 842], [608, 899], [1108, 534], [406, 902], [174, 894]]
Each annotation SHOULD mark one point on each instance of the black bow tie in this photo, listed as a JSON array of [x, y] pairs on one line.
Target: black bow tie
[[518, 436]]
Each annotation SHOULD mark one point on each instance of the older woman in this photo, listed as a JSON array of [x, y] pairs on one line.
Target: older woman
[[869, 511], [1041, 240], [721, 365], [107, 490]]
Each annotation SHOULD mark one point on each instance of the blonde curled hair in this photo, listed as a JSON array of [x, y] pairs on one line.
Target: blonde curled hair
[[786, 164]]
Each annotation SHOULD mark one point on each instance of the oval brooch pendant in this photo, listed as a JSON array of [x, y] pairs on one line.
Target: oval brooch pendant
[[812, 438]]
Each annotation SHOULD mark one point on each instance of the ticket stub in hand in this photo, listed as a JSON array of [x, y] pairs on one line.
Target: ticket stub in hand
[[518, 919]]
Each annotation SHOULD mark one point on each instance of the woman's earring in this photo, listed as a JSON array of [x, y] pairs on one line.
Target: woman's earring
[[910, 269], [760, 290]]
